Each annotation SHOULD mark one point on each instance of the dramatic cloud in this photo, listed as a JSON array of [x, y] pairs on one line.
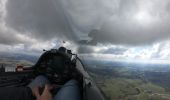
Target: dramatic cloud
[[25, 38], [51, 18], [120, 29], [37, 18], [102, 49], [130, 22], [137, 22]]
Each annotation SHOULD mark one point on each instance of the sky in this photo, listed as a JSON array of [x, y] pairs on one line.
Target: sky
[[112, 29]]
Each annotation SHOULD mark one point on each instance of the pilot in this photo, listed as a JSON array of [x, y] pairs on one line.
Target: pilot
[[69, 91]]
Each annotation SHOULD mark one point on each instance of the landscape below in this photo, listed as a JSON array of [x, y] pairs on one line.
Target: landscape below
[[131, 81]]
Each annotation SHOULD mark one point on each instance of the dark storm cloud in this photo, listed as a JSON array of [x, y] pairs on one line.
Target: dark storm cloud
[[4, 39], [37, 18], [121, 33], [86, 49], [10, 37], [47, 19], [116, 51], [123, 28], [125, 22]]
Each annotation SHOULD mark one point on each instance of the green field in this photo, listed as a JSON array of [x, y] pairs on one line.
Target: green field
[[127, 84], [132, 89]]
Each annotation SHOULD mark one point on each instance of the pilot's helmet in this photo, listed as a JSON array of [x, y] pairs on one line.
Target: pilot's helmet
[[62, 49]]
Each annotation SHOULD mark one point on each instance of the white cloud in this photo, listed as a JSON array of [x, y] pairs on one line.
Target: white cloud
[[157, 51]]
